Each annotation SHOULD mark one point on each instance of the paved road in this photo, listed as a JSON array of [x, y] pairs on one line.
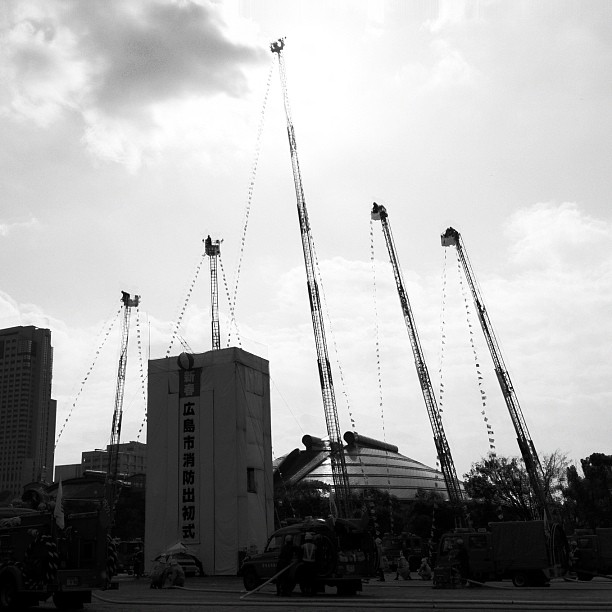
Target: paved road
[[224, 593]]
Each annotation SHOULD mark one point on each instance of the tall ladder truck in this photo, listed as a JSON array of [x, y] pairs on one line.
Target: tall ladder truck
[[451, 237], [337, 459], [212, 248], [113, 455], [455, 493]]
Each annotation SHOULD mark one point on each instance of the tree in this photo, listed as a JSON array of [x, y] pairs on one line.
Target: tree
[[430, 515], [500, 487], [589, 497], [305, 498]]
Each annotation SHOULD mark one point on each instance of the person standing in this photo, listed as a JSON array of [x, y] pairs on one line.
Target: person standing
[[382, 560], [403, 567], [308, 569]]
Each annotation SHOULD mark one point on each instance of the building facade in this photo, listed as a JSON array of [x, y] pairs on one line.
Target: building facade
[[131, 458], [209, 465], [27, 411]]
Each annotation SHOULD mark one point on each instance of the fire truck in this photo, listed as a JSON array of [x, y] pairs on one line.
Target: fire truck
[[525, 551], [60, 555], [346, 555]]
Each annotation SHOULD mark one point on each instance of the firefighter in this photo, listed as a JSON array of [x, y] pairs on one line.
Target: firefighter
[[308, 568], [403, 568], [424, 570]]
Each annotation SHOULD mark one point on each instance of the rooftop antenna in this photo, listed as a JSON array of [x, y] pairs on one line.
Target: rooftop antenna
[[213, 250]]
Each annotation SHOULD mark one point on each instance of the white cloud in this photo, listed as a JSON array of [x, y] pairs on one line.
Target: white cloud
[[115, 63], [7, 228], [555, 236]]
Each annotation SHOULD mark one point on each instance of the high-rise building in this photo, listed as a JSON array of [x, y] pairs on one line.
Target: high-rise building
[[27, 412]]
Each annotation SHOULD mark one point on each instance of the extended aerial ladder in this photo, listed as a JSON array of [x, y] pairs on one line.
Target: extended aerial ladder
[[452, 237], [212, 248], [337, 459], [113, 455], [455, 493]]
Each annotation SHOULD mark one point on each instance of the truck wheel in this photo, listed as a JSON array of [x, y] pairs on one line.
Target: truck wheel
[[68, 601], [250, 579], [9, 594], [520, 579], [348, 589]]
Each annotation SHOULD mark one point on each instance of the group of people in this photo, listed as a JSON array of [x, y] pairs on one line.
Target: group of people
[[403, 566], [290, 555], [403, 569]]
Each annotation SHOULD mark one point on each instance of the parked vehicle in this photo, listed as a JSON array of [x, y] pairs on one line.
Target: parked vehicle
[[523, 551], [592, 552], [346, 554], [39, 560]]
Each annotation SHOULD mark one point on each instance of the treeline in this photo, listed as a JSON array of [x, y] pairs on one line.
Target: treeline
[[497, 489]]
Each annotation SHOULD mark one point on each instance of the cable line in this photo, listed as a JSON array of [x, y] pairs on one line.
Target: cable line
[[108, 326], [479, 377], [232, 300], [179, 319], [378, 370]]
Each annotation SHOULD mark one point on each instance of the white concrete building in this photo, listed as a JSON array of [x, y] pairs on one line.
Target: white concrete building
[[209, 457]]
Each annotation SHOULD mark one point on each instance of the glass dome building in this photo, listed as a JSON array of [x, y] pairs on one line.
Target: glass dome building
[[370, 464]]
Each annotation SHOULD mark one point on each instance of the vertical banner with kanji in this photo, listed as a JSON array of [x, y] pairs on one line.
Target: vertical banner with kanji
[[188, 477]]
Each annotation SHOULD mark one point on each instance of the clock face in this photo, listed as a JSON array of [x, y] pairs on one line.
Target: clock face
[[185, 361]]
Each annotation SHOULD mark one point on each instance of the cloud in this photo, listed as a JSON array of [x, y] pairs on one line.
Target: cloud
[[7, 228], [114, 63], [558, 236]]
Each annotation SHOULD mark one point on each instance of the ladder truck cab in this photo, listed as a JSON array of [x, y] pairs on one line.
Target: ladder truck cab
[[346, 554], [46, 554]]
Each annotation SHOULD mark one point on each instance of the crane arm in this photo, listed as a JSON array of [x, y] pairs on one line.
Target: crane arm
[[212, 248], [113, 456], [453, 487], [528, 451], [338, 463]]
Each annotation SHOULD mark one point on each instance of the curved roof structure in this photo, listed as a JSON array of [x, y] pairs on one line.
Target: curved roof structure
[[370, 464]]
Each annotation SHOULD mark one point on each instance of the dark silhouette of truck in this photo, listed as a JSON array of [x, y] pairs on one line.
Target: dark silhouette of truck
[[523, 551], [346, 554], [38, 560], [47, 554], [592, 552]]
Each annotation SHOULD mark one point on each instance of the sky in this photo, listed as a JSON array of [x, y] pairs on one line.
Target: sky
[[132, 130]]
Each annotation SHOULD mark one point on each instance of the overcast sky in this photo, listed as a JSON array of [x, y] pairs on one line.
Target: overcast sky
[[131, 130]]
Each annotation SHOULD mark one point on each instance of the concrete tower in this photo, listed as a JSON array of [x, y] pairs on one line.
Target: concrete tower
[[209, 457]]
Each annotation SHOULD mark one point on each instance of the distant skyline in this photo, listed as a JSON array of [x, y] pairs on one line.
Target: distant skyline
[[130, 133]]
